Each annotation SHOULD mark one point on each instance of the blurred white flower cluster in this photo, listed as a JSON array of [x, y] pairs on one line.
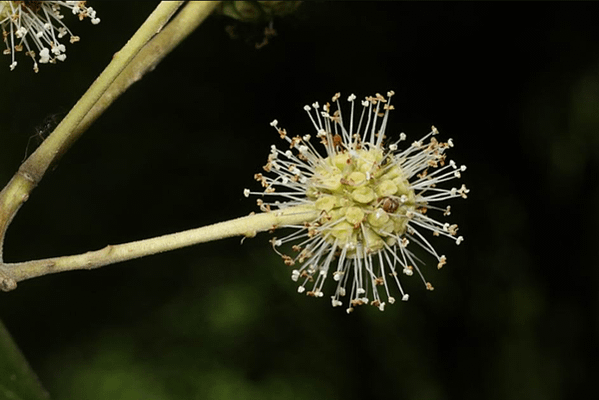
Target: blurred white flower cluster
[[37, 27]]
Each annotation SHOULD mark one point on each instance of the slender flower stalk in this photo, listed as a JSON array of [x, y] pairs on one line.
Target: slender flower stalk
[[37, 26], [373, 201]]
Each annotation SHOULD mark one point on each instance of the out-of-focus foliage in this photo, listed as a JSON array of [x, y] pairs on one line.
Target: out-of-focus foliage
[[514, 312], [17, 380], [257, 11]]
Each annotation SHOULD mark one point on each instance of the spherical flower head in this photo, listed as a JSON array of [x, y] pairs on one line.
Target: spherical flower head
[[372, 201], [37, 26]]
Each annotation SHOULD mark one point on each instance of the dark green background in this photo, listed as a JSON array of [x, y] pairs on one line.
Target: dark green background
[[514, 313]]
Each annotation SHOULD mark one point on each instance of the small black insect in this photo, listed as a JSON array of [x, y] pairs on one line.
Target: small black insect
[[42, 131], [389, 204]]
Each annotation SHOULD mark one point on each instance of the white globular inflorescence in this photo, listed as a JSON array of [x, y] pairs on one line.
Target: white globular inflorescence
[[373, 201], [37, 26]]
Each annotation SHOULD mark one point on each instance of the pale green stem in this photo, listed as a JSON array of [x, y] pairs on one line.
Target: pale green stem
[[62, 137], [248, 226], [128, 66], [184, 23], [33, 169], [137, 58]]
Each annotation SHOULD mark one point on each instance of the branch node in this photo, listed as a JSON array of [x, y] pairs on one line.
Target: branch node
[[28, 177], [6, 282], [50, 264], [108, 249]]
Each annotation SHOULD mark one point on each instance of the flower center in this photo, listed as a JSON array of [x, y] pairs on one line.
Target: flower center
[[365, 200]]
